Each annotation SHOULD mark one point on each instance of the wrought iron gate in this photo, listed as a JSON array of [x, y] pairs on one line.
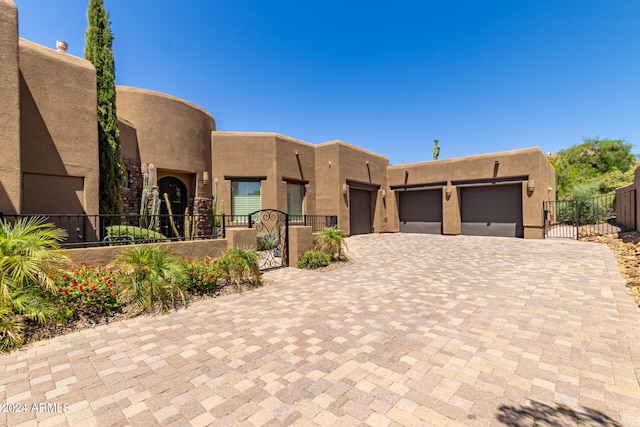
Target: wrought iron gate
[[273, 237], [575, 219]]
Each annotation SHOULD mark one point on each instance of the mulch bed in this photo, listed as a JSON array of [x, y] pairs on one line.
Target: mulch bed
[[626, 248]]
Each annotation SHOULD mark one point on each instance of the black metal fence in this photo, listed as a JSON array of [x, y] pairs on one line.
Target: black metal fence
[[98, 230], [575, 219]]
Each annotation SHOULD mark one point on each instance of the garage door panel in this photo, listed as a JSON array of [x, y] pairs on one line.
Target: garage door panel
[[359, 211], [421, 211], [492, 210]]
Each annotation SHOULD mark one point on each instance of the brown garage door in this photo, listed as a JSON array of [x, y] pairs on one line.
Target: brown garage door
[[493, 210], [359, 211], [421, 211]]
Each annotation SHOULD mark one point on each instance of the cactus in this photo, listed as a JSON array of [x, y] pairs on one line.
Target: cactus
[[173, 224], [149, 215], [190, 221], [216, 220], [187, 224]]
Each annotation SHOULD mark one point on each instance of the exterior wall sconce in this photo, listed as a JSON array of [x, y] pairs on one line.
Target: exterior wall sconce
[[448, 190], [345, 188], [531, 185], [205, 177], [383, 193]]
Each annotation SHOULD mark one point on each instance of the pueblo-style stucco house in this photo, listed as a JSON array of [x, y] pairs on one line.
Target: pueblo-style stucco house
[[49, 161]]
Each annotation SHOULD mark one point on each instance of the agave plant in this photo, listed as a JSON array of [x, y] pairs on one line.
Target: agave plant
[[30, 262], [154, 278]]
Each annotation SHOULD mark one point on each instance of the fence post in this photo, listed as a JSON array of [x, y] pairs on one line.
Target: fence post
[[633, 210], [224, 227], [577, 218]]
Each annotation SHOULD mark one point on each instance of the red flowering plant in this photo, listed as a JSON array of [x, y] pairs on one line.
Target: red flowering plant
[[204, 274], [91, 288]]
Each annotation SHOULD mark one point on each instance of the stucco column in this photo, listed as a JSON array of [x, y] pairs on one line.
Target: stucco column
[[451, 222], [10, 166]]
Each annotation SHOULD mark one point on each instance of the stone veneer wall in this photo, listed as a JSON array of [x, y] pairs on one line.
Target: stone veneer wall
[[203, 216], [131, 196]]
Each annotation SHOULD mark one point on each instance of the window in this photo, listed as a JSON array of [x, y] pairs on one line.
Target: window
[[245, 197], [295, 199]]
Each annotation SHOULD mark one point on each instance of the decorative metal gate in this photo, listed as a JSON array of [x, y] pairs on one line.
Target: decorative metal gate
[[273, 237], [575, 219]]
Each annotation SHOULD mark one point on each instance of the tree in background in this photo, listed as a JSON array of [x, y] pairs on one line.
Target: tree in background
[[98, 51], [597, 166], [436, 149]]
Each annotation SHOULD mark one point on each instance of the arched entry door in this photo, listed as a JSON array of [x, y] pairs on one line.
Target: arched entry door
[[177, 193]]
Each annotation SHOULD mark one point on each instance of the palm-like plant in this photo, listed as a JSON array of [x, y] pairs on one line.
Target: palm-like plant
[[241, 265], [330, 241], [30, 261], [154, 278]]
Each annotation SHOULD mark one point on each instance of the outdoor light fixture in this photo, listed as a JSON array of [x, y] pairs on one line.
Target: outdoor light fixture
[[531, 185], [448, 190], [205, 177], [383, 193], [345, 187]]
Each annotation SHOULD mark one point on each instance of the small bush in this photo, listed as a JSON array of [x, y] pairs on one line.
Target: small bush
[[267, 240], [314, 259], [330, 241], [91, 288], [153, 278], [241, 265], [203, 275], [117, 235]]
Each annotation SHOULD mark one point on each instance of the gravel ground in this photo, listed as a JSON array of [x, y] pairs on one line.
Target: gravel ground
[[626, 248]]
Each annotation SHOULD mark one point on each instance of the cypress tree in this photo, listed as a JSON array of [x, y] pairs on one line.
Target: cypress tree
[[98, 51]]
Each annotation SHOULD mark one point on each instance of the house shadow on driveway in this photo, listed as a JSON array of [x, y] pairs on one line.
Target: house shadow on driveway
[[540, 414]]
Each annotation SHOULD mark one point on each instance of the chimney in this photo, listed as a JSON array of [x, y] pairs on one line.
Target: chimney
[[61, 46]]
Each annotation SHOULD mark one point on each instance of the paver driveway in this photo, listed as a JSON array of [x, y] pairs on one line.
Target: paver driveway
[[422, 329]]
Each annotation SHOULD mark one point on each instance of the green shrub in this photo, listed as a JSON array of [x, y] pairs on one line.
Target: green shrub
[[92, 289], [118, 235], [203, 274], [30, 263], [330, 241], [241, 265], [314, 259], [153, 278], [267, 240]]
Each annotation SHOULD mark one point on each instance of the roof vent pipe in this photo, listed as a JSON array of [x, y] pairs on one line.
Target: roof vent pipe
[[61, 46]]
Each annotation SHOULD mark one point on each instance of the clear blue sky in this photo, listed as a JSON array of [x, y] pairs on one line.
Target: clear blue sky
[[480, 76]]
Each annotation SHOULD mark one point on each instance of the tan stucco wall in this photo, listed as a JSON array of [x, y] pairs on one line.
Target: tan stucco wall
[[300, 241], [530, 163], [128, 140], [190, 249], [337, 163], [294, 168], [58, 122], [10, 174], [173, 134], [270, 155]]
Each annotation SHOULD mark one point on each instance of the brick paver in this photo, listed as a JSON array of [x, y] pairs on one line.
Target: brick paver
[[421, 330]]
